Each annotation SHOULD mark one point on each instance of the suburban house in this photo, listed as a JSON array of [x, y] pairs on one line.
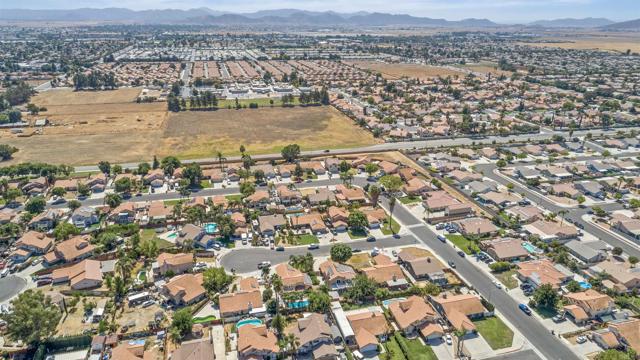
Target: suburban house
[[386, 272], [475, 226], [552, 230], [124, 213], [585, 252], [74, 249], [621, 277], [415, 315], [312, 332], [84, 216], [505, 249], [257, 342], [423, 267], [174, 263], [198, 349], [370, 328], [337, 276], [269, 224], [247, 299], [588, 305], [35, 242], [460, 310], [86, 274], [543, 271], [46, 220], [292, 278], [185, 289]]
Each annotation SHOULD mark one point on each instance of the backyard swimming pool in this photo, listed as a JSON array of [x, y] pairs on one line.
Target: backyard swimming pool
[[531, 248], [173, 235], [300, 304], [211, 228], [388, 302], [252, 321], [585, 285]]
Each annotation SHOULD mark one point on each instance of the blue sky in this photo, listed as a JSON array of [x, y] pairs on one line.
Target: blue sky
[[506, 11]]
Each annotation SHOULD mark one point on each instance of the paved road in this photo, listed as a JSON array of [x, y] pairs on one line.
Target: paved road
[[404, 145], [11, 286], [238, 259], [574, 214], [530, 328], [520, 355]]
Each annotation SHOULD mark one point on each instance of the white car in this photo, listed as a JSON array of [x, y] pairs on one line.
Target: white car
[[264, 264], [497, 284], [581, 339], [447, 339]]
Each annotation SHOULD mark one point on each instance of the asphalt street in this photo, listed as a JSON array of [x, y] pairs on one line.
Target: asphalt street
[[574, 214], [531, 329], [238, 259], [404, 145], [11, 286]]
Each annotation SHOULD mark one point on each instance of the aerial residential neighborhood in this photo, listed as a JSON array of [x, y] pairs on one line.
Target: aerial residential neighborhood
[[345, 180]]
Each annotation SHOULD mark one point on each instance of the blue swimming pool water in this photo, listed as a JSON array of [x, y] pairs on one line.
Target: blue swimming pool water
[[300, 304], [388, 302], [585, 285], [172, 235], [211, 228], [252, 321], [530, 247]]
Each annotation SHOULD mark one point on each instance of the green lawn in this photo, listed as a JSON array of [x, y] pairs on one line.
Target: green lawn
[[410, 199], [544, 312], [463, 243], [236, 197], [173, 202], [150, 234], [495, 332], [306, 239], [205, 184], [416, 350], [394, 225], [202, 320], [393, 350], [507, 279], [359, 234]]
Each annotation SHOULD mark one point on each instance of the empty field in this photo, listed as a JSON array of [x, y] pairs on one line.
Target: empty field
[[608, 43], [397, 71], [485, 68], [85, 132], [262, 131]]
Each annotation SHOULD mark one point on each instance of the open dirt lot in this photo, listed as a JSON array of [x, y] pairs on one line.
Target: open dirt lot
[[264, 130], [91, 126], [485, 68], [396, 71]]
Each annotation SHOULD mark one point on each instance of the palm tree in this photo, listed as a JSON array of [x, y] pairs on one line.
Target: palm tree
[[562, 213], [392, 205], [374, 193], [293, 343]]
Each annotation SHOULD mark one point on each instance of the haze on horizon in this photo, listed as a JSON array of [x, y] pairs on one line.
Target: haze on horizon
[[503, 11]]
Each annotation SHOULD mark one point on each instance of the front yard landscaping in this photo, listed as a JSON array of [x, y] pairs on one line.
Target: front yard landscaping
[[412, 349], [463, 243], [306, 239], [507, 279], [410, 199], [357, 234], [395, 227], [495, 332]]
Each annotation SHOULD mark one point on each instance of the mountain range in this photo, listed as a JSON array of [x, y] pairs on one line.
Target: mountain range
[[288, 17]]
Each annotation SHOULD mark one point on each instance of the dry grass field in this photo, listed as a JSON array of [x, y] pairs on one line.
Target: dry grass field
[[397, 71], [598, 41], [485, 68], [262, 131], [91, 126]]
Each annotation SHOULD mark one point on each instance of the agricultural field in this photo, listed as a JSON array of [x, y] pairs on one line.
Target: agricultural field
[[397, 71], [485, 68], [262, 131]]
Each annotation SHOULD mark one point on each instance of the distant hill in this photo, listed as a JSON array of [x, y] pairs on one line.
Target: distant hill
[[336, 19], [265, 17], [625, 25], [573, 23]]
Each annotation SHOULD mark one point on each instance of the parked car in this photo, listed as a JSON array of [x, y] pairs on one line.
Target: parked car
[[148, 303], [525, 309], [497, 284], [264, 264], [581, 339], [461, 253], [442, 238], [313, 247], [371, 238], [280, 248], [452, 264], [558, 318], [448, 339]]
